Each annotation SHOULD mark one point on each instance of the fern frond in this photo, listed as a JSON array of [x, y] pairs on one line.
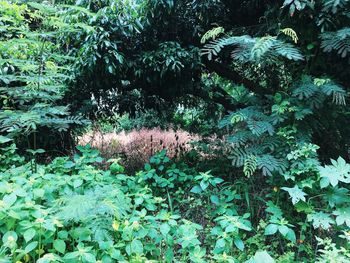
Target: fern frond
[[288, 51], [248, 49], [334, 5], [291, 33], [269, 164], [262, 46], [250, 165], [336, 91], [305, 91], [338, 41], [214, 47], [212, 34], [240, 138], [260, 127], [315, 90], [239, 155]]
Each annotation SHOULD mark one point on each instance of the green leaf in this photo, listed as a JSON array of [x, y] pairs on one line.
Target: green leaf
[[72, 255], [9, 199], [343, 216], [4, 139], [59, 245], [295, 193], [291, 235], [220, 243], [29, 234], [204, 184], [303, 207], [271, 229], [261, 257], [169, 255], [136, 246], [320, 219], [39, 193], [77, 183], [164, 229], [30, 247], [332, 174], [196, 189], [337, 196], [89, 257], [215, 199], [283, 230], [10, 236], [239, 243]]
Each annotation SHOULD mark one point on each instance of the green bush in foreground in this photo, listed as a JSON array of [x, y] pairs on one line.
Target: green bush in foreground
[[72, 211]]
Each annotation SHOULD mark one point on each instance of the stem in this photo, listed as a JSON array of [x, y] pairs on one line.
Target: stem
[[170, 202]]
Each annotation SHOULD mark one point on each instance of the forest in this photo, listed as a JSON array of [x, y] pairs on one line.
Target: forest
[[174, 131]]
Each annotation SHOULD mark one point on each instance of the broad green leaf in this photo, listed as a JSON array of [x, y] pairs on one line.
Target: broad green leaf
[[303, 207], [283, 230], [9, 199], [30, 247], [239, 243], [9, 237], [4, 139], [332, 174], [291, 235], [39, 192], [295, 193], [337, 196], [320, 219], [196, 189], [136, 246], [59, 245], [29, 234], [204, 184], [220, 243], [164, 229], [214, 199], [271, 229], [261, 257], [88, 257], [342, 216]]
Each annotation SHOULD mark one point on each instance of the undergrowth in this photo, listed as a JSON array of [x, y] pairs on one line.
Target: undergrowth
[[167, 212]]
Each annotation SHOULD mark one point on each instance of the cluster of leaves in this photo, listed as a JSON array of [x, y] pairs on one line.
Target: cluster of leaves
[[92, 215], [34, 71], [71, 211]]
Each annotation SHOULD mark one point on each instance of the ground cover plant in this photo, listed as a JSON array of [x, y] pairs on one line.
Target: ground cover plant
[[174, 131]]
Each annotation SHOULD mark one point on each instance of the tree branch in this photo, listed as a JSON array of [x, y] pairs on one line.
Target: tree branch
[[228, 73]]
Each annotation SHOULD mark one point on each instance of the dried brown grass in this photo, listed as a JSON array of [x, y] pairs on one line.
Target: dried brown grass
[[137, 146]]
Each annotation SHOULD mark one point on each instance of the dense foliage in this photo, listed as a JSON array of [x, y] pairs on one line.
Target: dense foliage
[[71, 211], [262, 84]]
